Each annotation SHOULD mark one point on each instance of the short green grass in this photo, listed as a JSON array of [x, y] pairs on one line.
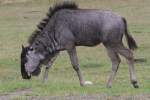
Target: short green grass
[[19, 20]]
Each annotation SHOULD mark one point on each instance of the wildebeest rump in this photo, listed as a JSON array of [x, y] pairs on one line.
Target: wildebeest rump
[[67, 27]]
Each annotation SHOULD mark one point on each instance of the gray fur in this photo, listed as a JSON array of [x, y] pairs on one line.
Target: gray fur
[[68, 28]]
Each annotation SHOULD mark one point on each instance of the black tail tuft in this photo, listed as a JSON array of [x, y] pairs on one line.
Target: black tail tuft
[[131, 43], [130, 40]]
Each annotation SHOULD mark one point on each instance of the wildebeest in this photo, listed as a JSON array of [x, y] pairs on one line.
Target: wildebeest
[[67, 27]]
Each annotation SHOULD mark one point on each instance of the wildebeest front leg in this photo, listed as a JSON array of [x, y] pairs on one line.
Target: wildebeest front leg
[[48, 66], [75, 64], [45, 78]]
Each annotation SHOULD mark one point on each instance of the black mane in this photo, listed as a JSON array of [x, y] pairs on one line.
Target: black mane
[[52, 11]]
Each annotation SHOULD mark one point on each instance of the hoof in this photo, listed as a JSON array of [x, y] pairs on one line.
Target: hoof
[[135, 84], [82, 84], [109, 86]]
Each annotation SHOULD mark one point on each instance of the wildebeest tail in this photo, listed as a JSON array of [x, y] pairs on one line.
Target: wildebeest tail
[[130, 40]]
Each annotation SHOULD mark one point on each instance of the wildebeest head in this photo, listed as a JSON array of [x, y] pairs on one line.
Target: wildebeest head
[[30, 62]]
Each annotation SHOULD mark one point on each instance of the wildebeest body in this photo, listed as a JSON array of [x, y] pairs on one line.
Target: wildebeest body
[[87, 28], [68, 26]]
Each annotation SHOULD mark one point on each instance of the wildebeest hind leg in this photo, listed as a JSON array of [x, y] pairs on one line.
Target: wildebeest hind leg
[[114, 57], [127, 53], [74, 60]]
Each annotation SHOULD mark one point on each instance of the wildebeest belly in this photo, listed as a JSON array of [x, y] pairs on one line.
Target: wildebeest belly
[[87, 40], [87, 34]]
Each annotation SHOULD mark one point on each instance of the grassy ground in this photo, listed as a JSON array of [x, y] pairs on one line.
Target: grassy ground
[[17, 22]]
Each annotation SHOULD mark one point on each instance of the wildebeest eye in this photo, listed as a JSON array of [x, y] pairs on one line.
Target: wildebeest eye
[[31, 48]]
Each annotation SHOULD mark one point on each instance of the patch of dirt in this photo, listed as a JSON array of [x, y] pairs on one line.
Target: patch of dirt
[[93, 97], [17, 93], [27, 94], [74, 97]]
